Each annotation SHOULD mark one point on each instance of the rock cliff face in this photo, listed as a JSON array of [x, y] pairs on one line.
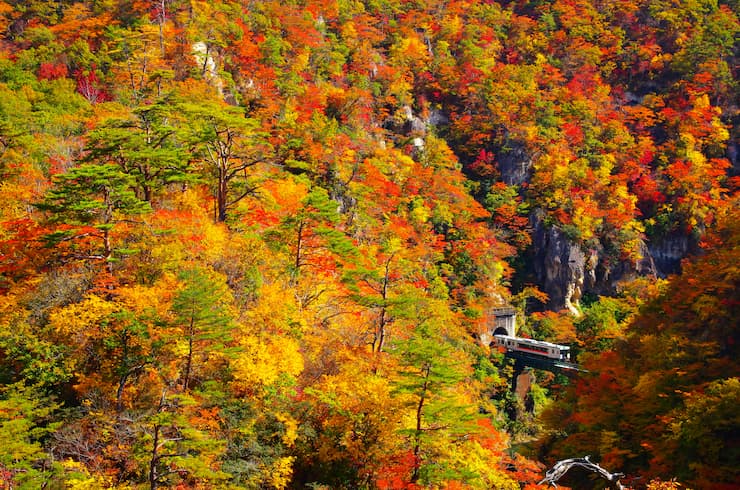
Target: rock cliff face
[[565, 270], [515, 165], [559, 266], [668, 253]]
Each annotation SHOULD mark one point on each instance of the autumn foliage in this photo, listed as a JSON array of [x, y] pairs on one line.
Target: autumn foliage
[[254, 244]]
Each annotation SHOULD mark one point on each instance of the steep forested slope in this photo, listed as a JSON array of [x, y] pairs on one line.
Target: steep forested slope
[[664, 399], [252, 244]]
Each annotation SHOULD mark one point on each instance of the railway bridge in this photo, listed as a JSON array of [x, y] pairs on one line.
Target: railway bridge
[[502, 321]]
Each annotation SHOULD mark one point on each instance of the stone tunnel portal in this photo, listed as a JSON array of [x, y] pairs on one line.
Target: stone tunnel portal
[[503, 323]]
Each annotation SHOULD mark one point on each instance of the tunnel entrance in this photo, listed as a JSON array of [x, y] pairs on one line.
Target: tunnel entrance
[[501, 321]]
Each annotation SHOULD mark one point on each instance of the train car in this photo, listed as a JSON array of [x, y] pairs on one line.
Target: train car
[[535, 347]]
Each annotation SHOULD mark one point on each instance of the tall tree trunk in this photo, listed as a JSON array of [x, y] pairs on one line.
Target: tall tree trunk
[[107, 251], [153, 473], [298, 248], [380, 333], [417, 434], [146, 188], [221, 194], [189, 359], [155, 457], [162, 19], [119, 392]]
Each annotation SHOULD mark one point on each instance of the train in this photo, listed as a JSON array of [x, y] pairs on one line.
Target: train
[[534, 347]]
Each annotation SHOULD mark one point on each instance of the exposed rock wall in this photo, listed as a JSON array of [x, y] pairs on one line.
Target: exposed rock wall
[[204, 59], [565, 270], [668, 253], [515, 165], [559, 265]]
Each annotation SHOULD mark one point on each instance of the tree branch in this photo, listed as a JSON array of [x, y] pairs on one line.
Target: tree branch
[[562, 467]]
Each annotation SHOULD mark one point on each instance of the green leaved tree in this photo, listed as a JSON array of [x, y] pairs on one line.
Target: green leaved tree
[[227, 145], [204, 320], [145, 146], [86, 203], [312, 235], [26, 418], [430, 377], [175, 446]]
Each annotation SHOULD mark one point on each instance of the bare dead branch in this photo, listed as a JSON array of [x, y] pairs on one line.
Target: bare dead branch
[[562, 467]]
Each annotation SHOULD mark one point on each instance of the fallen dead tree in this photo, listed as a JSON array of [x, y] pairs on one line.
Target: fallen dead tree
[[564, 466]]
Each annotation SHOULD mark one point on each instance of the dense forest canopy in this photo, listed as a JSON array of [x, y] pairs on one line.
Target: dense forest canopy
[[255, 244]]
